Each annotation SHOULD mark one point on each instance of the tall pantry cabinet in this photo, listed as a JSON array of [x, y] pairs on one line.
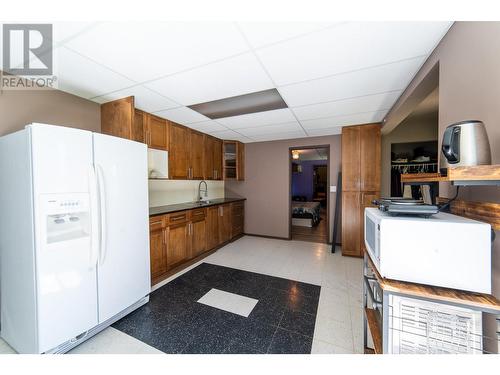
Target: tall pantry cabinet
[[360, 182]]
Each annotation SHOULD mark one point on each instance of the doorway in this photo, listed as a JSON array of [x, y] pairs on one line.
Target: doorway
[[309, 198]]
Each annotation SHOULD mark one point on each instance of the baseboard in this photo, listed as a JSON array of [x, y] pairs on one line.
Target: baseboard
[[264, 236]]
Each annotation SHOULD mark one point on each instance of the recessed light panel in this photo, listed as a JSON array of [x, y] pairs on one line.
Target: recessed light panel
[[260, 101]]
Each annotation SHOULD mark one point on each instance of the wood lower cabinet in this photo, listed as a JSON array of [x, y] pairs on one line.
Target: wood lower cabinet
[[351, 223], [212, 227], [157, 245], [198, 232], [225, 224], [178, 238]]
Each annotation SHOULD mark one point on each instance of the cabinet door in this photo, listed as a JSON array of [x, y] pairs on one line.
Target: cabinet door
[[224, 223], [370, 144], [178, 153], [197, 155], [139, 126], [208, 160], [212, 227], [240, 162], [217, 159], [178, 247], [157, 247], [351, 206], [157, 133], [237, 218], [350, 159], [199, 237], [117, 117]]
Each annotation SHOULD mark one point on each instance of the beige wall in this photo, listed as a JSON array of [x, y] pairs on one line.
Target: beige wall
[[267, 183], [413, 129], [19, 108], [164, 192], [469, 88]]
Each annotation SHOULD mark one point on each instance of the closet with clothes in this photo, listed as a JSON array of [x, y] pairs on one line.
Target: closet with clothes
[[413, 157]]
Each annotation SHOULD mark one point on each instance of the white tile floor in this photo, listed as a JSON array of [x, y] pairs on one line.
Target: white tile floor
[[339, 318], [234, 303]]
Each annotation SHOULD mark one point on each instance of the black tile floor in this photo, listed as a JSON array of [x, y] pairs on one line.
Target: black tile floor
[[282, 321]]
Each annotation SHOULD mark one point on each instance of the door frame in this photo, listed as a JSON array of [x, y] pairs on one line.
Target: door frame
[[290, 175]]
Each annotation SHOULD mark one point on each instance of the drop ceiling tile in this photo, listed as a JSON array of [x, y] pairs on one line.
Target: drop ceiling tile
[[65, 30], [344, 107], [272, 129], [207, 126], [83, 77], [147, 50], [279, 136], [228, 134], [349, 46], [145, 99], [258, 119], [264, 33], [327, 131], [181, 115], [330, 122], [391, 77], [231, 77]]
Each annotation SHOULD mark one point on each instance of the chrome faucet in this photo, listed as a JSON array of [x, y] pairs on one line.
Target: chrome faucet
[[199, 190]]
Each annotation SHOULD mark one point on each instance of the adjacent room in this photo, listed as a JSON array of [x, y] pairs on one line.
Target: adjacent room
[[249, 187]]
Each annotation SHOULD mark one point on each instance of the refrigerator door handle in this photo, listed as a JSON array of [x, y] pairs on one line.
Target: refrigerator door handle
[[95, 214], [103, 217]]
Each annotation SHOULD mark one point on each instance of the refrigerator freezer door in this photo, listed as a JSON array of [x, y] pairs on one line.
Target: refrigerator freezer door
[[123, 269], [66, 278]]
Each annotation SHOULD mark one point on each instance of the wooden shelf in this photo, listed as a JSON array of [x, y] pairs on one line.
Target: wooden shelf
[[373, 326], [472, 174], [484, 302]]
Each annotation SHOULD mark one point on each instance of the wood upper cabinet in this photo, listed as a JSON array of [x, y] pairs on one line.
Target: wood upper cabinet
[[157, 246], [139, 126], [178, 239], [225, 225], [370, 157], [212, 227], [233, 160], [178, 153], [117, 117], [350, 158], [197, 154], [198, 232], [217, 159], [157, 132]]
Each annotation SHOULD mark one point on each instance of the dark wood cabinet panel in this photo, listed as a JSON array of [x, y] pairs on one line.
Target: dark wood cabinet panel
[[224, 223], [370, 158], [139, 126], [366, 201], [157, 245], [157, 132], [208, 161], [237, 218], [217, 155], [117, 117], [198, 237], [212, 222], [197, 155], [350, 158], [178, 246], [178, 153], [351, 205]]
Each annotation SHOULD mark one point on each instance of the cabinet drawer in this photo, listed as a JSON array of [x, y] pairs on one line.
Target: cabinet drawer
[[177, 217], [198, 214], [156, 222]]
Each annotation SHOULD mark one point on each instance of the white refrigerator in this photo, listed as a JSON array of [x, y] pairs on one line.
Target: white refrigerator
[[74, 236]]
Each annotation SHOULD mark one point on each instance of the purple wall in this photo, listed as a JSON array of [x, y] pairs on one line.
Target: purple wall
[[302, 183]]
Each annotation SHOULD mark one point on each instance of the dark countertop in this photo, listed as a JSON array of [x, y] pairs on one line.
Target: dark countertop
[[160, 210]]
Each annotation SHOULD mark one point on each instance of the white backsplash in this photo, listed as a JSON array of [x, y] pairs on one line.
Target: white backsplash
[[165, 192]]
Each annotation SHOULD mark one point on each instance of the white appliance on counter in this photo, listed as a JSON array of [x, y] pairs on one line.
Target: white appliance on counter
[[74, 237], [157, 163], [442, 250]]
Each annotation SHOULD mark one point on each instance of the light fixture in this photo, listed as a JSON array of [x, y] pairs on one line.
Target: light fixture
[[295, 154]]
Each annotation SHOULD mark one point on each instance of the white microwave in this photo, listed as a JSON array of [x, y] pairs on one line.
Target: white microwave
[[443, 250]]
